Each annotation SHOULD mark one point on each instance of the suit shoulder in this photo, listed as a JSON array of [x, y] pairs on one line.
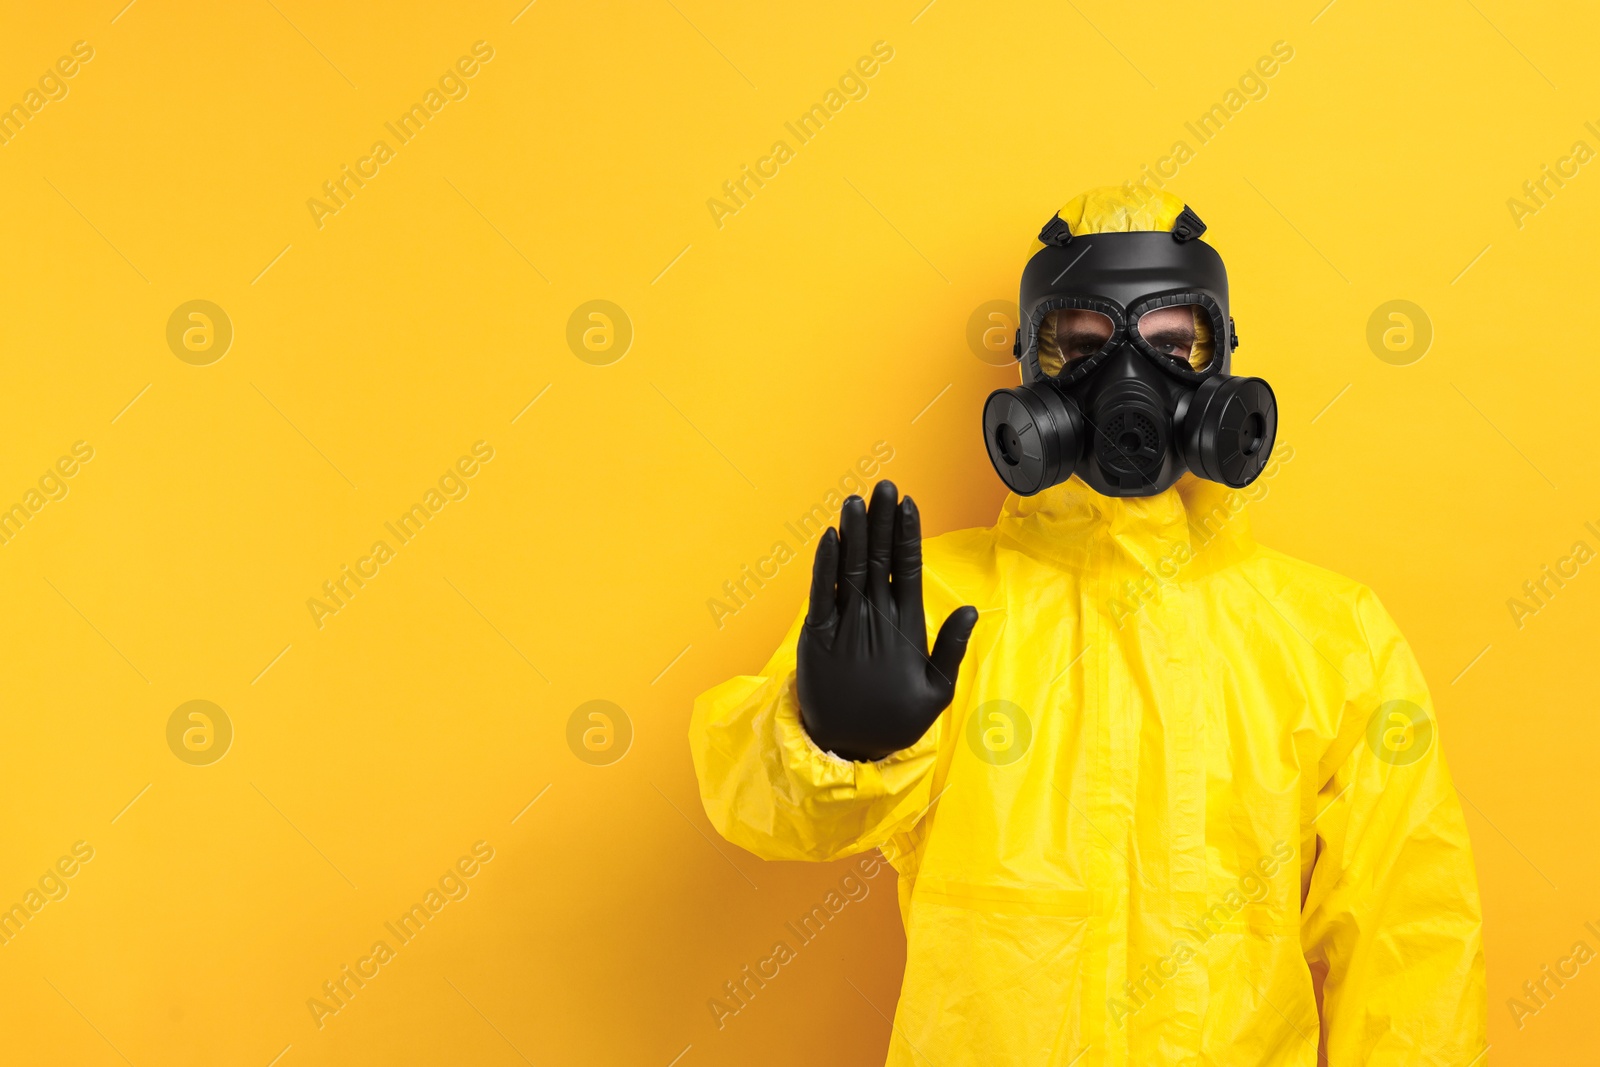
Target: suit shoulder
[[960, 564], [957, 545], [1320, 599], [1282, 569]]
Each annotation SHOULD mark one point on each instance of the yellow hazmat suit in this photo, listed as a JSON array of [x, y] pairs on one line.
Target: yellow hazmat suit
[[1182, 772]]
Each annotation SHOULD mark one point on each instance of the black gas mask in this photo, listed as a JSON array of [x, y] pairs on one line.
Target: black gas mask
[[1125, 344]]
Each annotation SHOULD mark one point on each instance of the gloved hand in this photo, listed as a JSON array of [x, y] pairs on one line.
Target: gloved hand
[[867, 685]]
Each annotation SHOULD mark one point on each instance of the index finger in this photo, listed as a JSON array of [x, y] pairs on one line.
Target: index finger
[[907, 584]]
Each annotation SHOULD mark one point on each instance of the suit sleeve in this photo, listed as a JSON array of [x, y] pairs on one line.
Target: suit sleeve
[[768, 788], [1392, 905]]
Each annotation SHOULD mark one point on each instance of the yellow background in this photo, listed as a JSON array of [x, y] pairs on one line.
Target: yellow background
[[768, 356]]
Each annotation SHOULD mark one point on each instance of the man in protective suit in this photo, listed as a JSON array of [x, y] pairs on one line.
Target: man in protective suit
[[1158, 795]]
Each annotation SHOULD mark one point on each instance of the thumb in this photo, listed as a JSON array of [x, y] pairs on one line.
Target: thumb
[[951, 646]]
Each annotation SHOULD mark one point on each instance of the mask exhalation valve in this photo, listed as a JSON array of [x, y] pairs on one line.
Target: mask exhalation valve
[[1130, 435]]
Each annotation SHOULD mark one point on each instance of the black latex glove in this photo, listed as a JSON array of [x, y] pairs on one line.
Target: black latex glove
[[867, 685]]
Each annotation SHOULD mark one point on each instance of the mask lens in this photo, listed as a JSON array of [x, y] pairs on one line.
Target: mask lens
[[1070, 335], [1181, 332]]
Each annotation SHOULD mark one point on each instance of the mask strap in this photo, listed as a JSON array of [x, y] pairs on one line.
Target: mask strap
[[1187, 226], [1056, 232]]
